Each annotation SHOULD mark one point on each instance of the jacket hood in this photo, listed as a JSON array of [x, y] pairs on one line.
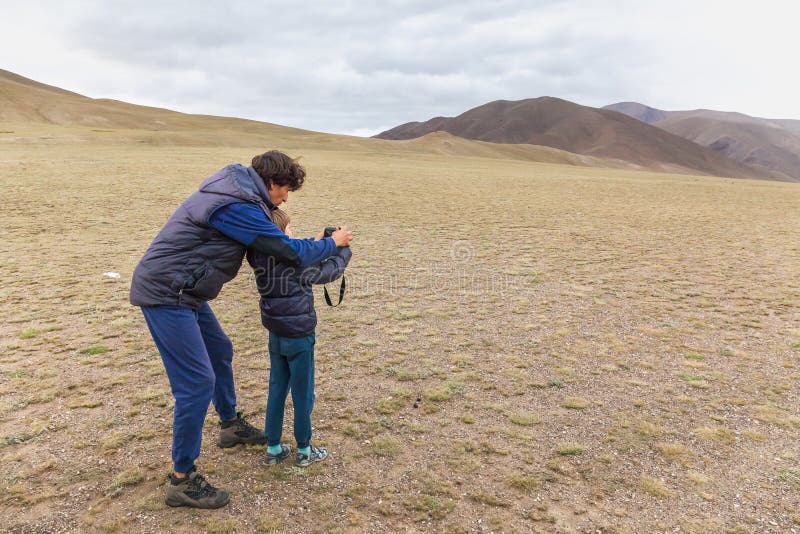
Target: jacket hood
[[239, 182]]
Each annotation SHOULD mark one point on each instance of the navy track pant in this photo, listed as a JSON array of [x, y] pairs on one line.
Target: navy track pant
[[197, 356]]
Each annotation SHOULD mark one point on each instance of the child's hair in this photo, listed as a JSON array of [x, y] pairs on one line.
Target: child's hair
[[281, 219]]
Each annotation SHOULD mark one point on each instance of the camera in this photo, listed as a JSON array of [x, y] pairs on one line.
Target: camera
[[329, 231]]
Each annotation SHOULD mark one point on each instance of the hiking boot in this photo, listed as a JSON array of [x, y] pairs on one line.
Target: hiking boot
[[317, 454], [239, 431], [195, 492], [272, 459]]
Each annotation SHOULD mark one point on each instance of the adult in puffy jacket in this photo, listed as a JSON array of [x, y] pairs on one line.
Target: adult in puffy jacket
[[287, 311], [198, 250]]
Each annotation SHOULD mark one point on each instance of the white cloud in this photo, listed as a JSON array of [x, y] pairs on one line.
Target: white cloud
[[357, 67]]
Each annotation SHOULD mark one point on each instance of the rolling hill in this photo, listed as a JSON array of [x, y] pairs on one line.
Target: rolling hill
[[25, 102], [583, 130], [767, 144], [546, 130]]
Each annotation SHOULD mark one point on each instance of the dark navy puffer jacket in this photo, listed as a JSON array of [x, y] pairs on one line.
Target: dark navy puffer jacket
[[287, 301], [189, 261]]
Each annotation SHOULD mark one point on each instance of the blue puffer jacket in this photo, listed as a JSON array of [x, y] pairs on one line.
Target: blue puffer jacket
[[287, 301]]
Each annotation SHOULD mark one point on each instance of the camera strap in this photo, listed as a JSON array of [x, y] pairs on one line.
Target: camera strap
[[328, 297]]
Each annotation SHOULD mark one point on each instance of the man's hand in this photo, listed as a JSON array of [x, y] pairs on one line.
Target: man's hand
[[342, 237], [327, 230]]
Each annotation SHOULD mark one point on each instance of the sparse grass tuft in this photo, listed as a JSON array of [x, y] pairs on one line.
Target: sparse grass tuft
[[483, 497], [575, 403], [648, 429], [28, 333], [570, 449], [113, 441], [151, 503], [217, 525], [405, 375], [461, 361], [95, 350], [555, 383], [791, 477], [86, 402], [386, 447], [389, 405], [676, 452], [654, 487], [524, 419], [129, 477], [698, 478], [775, 416], [269, 524], [753, 435], [149, 394], [432, 506], [523, 482], [717, 433], [443, 392]]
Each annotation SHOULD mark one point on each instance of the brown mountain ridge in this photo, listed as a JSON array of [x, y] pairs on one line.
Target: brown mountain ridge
[[583, 130], [772, 145]]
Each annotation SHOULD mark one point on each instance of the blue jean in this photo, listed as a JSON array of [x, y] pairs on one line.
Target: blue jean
[[197, 356], [291, 366]]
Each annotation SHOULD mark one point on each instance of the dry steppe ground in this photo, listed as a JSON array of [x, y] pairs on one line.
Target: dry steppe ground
[[524, 347]]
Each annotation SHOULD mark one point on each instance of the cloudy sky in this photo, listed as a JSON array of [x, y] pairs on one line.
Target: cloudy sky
[[362, 67]]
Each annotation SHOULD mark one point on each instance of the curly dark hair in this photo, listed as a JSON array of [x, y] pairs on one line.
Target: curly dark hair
[[277, 168]]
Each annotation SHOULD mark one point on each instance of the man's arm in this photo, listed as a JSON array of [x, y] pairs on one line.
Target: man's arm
[[328, 270], [249, 225]]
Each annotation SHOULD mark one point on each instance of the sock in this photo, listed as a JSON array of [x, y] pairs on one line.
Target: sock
[[274, 449], [305, 451], [175, 480]]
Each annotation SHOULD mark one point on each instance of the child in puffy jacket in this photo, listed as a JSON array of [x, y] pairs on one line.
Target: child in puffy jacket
[[287, 311]]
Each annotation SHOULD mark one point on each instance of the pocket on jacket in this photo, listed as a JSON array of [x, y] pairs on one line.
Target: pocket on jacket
[[205, 282]]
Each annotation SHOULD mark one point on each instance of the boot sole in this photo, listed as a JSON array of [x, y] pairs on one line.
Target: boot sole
[[229, 444], [309, 462], [179, 503], [274, 461]]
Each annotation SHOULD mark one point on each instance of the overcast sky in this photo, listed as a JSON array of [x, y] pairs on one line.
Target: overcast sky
[[363, 67]]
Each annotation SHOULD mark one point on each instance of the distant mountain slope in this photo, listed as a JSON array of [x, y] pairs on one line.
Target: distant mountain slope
[[790, 124], [446, 144], [26, 101], [638, 111], [768, 144], [583, 130]]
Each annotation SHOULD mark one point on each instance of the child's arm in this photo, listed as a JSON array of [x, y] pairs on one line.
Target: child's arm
[[249, 225], [328, 270]]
